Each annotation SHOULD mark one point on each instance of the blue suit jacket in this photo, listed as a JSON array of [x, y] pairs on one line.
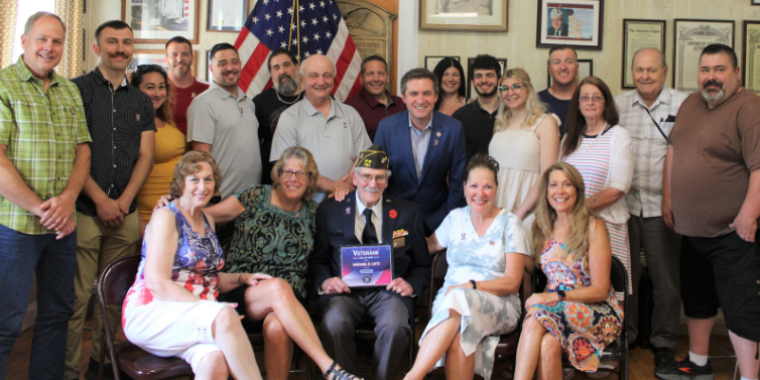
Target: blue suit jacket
[[446, 157]]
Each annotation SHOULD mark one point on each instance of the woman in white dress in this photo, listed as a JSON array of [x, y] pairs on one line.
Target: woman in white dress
[[525, 143], [478, 301]]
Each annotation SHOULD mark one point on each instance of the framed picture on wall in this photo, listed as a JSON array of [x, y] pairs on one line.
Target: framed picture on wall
[[471, 93], [432, 60], [153, 57], [209, 76], [156, 21], [639, 34], [690, 37], [751, 55], [585, 69], [576, 23], [468, 15], [754, 2], [226, 15]]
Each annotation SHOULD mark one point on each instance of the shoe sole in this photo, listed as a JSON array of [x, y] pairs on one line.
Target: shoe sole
[[683, 376]]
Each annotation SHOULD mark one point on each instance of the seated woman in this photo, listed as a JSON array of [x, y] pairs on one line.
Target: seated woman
[[171, 309], [578, 313], [478, 300]]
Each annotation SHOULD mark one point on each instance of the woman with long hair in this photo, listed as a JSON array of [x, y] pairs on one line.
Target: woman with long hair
[[525, 143], [452, 82], [578, 313]]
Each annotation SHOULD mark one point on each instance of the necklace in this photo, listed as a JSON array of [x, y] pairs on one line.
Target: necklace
[[596, 139], [298, 97]]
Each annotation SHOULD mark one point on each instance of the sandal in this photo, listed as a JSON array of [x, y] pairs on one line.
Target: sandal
[[339, 373]]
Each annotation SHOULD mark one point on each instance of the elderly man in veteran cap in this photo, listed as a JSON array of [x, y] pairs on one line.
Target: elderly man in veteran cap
[[366, 216]]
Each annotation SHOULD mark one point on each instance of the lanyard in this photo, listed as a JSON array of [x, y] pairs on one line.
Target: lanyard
[[657, 125]]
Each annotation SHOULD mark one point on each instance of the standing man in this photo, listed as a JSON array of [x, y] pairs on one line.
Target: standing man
[[563, 68], [222, 122], [478, 117], [711, 195], [370, 218], [426, 149], [374, 102], [332, 131], [44, 163], [120, 120], [648, 114], [185, 87], [285, 91]]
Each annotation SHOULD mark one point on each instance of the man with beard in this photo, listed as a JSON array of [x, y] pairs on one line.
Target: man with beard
[[185, 87], [285, 91], [120, 118], [374, 102], [222, 121], [563, 68], [478, 117], [711, 195]]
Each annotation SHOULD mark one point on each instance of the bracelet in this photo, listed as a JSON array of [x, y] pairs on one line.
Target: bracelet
[[474, 285], [561, 294], [240, 283]]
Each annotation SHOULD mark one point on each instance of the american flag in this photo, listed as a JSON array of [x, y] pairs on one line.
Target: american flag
[[305, 27]]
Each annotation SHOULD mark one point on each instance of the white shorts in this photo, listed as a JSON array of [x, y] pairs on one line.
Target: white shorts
[[167, 328]]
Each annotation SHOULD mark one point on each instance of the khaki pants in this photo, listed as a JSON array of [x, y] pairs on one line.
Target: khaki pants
[[97, 246]]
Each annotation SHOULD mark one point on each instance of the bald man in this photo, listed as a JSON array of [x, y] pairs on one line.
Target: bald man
[[332, 131], [648, 113]]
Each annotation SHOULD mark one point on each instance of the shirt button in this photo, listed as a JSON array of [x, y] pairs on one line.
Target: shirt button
[[114, 129], [114, 110], [114, 146], [114, 166], [111, 185]]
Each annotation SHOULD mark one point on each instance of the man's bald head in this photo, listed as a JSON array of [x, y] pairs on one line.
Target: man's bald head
[[648, 51], [317, 77], [319, 62]]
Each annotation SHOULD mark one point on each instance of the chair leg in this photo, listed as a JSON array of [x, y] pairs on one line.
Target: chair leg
[[102, 358]]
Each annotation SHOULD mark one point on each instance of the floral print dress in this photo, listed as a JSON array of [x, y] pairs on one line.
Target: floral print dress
[[583, 329]]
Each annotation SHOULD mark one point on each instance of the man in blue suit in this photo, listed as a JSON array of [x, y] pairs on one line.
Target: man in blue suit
[[369, 217], [427, 150]]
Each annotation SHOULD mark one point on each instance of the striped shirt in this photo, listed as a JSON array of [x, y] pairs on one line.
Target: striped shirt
[[649, 146], [41, 131]]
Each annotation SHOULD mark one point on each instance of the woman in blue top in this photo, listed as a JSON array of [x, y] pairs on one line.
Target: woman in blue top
[[486, 254]]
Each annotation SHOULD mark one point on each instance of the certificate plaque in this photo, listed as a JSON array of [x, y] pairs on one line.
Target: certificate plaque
[[639, 34], [751, 61], [691, 37], [367, 265]]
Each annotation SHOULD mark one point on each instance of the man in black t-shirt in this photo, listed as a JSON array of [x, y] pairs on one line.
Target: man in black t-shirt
[[286, 91], [563, 68], [478, 117]]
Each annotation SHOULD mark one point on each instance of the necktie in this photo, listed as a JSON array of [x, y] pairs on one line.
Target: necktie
[[369, 235]]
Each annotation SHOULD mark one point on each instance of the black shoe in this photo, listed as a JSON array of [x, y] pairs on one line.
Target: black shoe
[[663, 356], [92, 371], [684, 369]]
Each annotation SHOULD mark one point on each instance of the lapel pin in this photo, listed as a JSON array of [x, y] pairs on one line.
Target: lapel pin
[[393, 214], [348, 210], [438, 134], [464, 236], [435, 142]]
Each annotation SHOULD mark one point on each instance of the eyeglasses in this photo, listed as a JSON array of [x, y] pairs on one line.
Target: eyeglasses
[[596, 99], [515, 87], [289, 174], [367, 178]]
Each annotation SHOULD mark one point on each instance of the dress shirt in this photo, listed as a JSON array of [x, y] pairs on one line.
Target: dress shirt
[[377, 212], [649, 146], [478, 127], [373, 111], [40, 131], [420, 141]]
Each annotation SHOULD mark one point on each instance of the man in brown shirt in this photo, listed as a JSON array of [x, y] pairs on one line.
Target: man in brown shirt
[[711, 196]]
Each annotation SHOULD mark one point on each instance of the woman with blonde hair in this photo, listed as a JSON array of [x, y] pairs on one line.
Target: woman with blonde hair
[[577, 313], [525, 143]]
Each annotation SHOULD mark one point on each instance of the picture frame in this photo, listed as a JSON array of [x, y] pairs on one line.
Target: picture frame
[[156, 21], [432, 60], [470, 90], [751, 55], [226, 15], [754, 2], [690, 36], [585, 69], [464, 15], [576, 23], [639, 34], [156, 57]]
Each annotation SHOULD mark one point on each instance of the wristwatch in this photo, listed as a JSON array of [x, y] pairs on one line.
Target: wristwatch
[[474, 285], [561, 294]]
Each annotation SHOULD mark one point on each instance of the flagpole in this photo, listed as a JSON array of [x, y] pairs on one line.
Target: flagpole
[[292, 16], [298, 29]]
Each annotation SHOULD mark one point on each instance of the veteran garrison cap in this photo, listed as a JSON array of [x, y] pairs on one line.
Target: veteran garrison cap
[[372, 158]]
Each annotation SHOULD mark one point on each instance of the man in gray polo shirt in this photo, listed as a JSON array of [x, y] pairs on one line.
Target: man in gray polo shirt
[[222, 121], [332, 131]]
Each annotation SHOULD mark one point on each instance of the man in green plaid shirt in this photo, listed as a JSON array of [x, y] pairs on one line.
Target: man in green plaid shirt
[[44, 163]]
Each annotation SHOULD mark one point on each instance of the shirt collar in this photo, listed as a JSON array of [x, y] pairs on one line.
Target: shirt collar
[[26, 75], [663, 98], [377, 209], [100, 79], [311, 111], [429, 124], [372, 102], [224, 94]]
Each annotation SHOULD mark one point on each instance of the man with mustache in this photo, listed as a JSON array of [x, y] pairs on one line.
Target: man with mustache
[[185, 87], [711, 195], [648, 113], [563, 68], [369, 216], [121, 122], [479, 117], [332, 131], [44, 163], [285, 91], [222, 121], [374, 102]]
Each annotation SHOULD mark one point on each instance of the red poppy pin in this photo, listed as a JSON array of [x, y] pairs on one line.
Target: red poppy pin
[[393, 214]]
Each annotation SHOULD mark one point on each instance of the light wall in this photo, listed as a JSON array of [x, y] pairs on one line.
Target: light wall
[[518, 45]]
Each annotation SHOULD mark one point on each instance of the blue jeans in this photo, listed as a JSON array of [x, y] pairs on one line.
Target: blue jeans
[[55, 263]]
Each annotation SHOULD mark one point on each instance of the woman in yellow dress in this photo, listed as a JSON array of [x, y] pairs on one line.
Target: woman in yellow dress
[[170, 142]]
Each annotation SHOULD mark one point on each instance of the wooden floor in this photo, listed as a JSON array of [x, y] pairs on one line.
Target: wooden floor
[[641, 364]]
